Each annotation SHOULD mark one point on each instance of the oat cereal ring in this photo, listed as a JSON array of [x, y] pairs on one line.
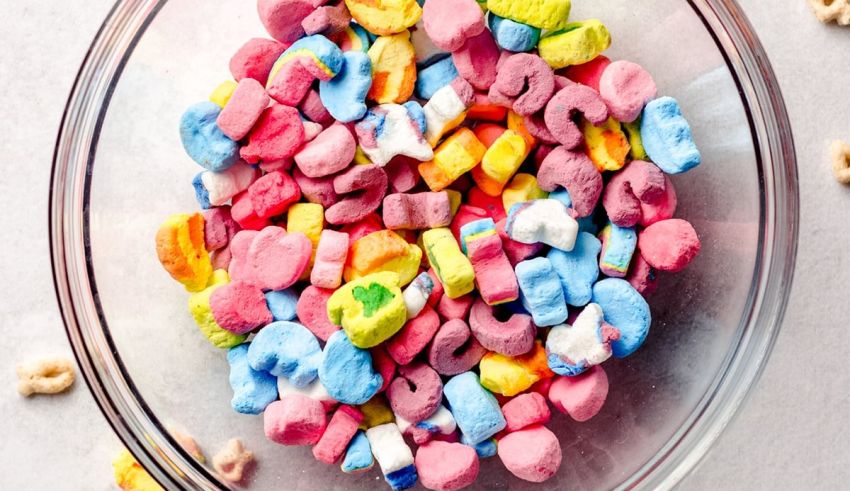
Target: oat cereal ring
[[840, 152], [48, 376], [232, 461], [832, 10]]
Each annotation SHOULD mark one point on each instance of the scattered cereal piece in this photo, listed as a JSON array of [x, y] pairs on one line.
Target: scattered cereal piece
[[233, 461], [47, 376]]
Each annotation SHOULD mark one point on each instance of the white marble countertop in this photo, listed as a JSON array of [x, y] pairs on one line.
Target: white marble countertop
[[790, 434]]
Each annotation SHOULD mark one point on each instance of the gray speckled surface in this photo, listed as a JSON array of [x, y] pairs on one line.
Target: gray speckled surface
[[791, 433]]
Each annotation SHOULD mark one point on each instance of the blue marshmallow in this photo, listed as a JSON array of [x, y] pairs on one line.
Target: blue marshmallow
[[485, 449], [473, 228], [286, 349], [474, 408], [620, 244], [667, 137], [541, 292], [404, 478], [512, 35], [344, 96], [201, 193], [282, 304], [252, 390], [578, 269], [433, 78], [346, 371], [358, 454], [624, 308], [563, 196], [204, 141]]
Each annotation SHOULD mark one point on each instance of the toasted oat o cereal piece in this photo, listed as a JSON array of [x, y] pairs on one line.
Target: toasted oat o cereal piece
[[840, 152], [832, 10], [47, 376], [231, 462]]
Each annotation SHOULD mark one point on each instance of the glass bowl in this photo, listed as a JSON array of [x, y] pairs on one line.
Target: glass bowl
[[119, 170]]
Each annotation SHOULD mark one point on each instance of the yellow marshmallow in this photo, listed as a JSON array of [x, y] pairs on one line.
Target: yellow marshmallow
[[221, 94], [199, 307], [393, 69], [508, 376], [607, 145], [545, 14], [370, 309], [182, 252], [383, 250], [455, 198], [376, 412], [384, 17], [457, 155], [523, 187], [309, 219], [500, 163], [131, 476], [577, 43], [637, 152], [452, 267]]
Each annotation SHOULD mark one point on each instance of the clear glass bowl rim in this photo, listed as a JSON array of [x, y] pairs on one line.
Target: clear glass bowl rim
[[145, 436]]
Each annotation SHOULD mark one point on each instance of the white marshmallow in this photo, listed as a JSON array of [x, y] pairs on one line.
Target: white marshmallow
[[399, 136], [221, 186], [416, 294], [442, 113], [315, 390], [542, 220], [583, 341], [389, 448]]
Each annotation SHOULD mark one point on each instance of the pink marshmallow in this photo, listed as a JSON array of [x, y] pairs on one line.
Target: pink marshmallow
[[272, 194], [284, 165], [330, 152], [662, 208], [642, 276], [243, 213], [311, 106], [536, 126], [626, 88], [327, 20], [450, 22], [219, 228], [526, 80], [669, 245], [295, 420], [532, 454], [339, 432], [446, 466], [588, 73], [239, 307], [331, 254], [494, 274], [582, 396], [477, 59], [414, 336], [417, 211], [371, 182], [516, 252], [454, 308], [316, 190], [274, 260], [525, 410], [244, 108], [563, 107], [416, 392], [293, 81], [312, 311], [451, 337], [282, 18], [277, 135], [311, 131], [402, 173], [575, 172], [255, 59], [493, 205], [383, 363], [635, 183], [513, 337]]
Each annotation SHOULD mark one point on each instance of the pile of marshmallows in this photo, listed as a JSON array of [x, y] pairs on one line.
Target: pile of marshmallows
[[447, 194]]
